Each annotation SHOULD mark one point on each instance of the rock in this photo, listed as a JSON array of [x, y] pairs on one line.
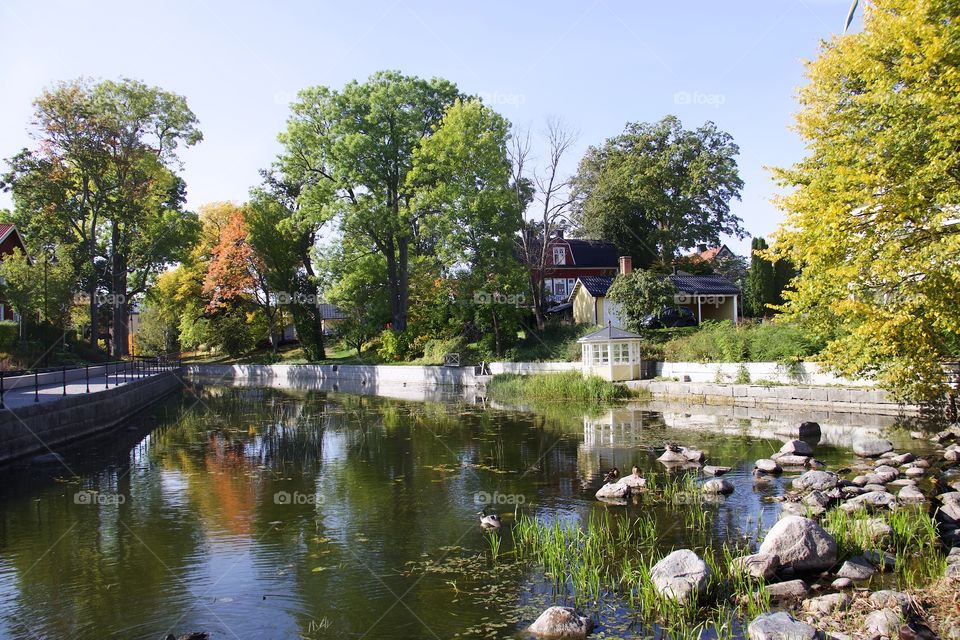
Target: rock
[[809, 431], [886, 473], [841, 583], [681, 575], [903, 482], [920, 462], [880, 559], [856, 569], [634, 482], [870, 500], [902, 459], [792, 460], [779, 626], [816, 499], [818, 480], [914, 472], [886, 599], [876, 529], [757, 565], [801, 544], [561, 622], [713, 470], [951, 455], [801, 509], [868, 446], [884, 622], [911, 495], [672, 457], [718, 485], [797, 448], [767, 465], [825, 605], [613, 491], [692, 455], [874, 487], [789, 590]]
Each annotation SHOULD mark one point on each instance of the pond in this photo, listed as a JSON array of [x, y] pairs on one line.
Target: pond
[[263, 513]]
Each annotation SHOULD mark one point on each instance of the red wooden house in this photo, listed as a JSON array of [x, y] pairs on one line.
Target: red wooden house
[[571, 258]]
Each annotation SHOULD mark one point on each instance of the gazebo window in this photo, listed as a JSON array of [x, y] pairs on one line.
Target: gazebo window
[[621, 353], [600, 354]]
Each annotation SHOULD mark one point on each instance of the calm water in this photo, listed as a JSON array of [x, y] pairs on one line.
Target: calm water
[[257, 513]]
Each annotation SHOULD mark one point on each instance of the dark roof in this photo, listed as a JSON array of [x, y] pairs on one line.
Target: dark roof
[[559, 308], [609, 333], [705, 285], [596, 285], [593, 253], [331, 312]]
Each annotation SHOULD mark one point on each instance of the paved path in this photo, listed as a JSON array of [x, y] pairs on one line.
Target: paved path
[[19, 392]]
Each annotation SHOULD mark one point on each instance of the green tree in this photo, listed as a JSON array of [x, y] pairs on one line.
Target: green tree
[[640, 293], [872, 210], [350, 152], [40, 289], [101, 177], [658, 189], [761, 286]]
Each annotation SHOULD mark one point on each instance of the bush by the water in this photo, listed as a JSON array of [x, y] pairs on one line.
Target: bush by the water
[[566, 385], [726, 342]]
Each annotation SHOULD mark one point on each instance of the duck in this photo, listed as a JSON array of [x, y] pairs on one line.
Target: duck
[[673, 446], [491, 521], [611, 475], [635, 471]]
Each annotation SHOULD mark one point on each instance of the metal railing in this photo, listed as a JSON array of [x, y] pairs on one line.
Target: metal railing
[[120, 371]]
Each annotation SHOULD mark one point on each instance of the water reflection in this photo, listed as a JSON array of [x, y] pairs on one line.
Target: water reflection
[[260, 513]]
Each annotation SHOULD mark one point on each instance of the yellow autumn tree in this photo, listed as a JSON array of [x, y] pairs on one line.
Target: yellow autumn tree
[[873, 210]]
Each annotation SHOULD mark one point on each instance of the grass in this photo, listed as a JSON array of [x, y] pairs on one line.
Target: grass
[[725, 342], [566, 385]]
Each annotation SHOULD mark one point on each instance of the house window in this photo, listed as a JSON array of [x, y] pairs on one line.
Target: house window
[[559, 255], [560, 288], [621, 353], [600, 354]]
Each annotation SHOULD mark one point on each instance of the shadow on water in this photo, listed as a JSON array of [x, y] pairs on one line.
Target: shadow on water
[[254, 512]]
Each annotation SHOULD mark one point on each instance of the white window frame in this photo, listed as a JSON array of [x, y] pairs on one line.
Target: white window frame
[[621, 353], [559, 256], [601, 355]]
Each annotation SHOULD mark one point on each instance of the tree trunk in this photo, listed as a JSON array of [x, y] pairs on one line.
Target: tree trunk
[[393, 284], [403, 284], [119, 345]]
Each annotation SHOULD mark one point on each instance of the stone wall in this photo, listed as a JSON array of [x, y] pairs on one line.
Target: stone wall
[[36, 429], [805, 373]]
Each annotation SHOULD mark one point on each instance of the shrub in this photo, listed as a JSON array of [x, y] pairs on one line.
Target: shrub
[[567, 385], [9, 332], [725, 342]]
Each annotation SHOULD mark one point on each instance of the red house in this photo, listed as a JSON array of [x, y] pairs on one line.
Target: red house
[[571, 258], [9, 240]]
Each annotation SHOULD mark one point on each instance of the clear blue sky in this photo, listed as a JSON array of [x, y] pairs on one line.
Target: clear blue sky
[[595, 65]]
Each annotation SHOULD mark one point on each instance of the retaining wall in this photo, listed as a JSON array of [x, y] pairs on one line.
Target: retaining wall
[[805, 373], [36, 429]]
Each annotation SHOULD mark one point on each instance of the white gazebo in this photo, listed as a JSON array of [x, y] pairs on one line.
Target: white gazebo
[[611, 353]]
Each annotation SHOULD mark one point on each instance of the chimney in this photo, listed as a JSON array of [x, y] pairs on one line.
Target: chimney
[[560, 233], [626, 265]]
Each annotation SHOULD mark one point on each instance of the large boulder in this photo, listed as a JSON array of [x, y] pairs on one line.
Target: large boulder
[[767, 465], [758, 565], [883, 622], [801, 544], [911, 495], [681, 576], [561, 622], [779, 626], [869, 446], [714, 470], [809, 431], [872, 500], [789, 460], [796, 448], [789, 590], [856, 569], [672, 457], [818, 480], [613, 491], [885, 599]]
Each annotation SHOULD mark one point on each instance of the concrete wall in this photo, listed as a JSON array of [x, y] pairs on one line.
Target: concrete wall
[[805, 373], [299, 374], [531, 367], [38, 428], [787, 397]]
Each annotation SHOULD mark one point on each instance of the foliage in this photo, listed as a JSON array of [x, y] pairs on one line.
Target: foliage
[[760, 290], [9, 332], [657, 189], [232, 333], [872, 210], [557, 342], [566, 385], [101, 179], [40, 289], [156, 334], [640, 293], [726, 342]]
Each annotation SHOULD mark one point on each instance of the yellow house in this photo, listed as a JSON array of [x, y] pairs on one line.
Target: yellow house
[[611, 353], [707, 297]]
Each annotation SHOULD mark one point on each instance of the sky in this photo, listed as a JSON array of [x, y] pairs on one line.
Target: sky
[[594, 65]]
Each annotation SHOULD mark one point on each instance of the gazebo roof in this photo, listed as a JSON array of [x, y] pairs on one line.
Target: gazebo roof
[[610, 333]]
